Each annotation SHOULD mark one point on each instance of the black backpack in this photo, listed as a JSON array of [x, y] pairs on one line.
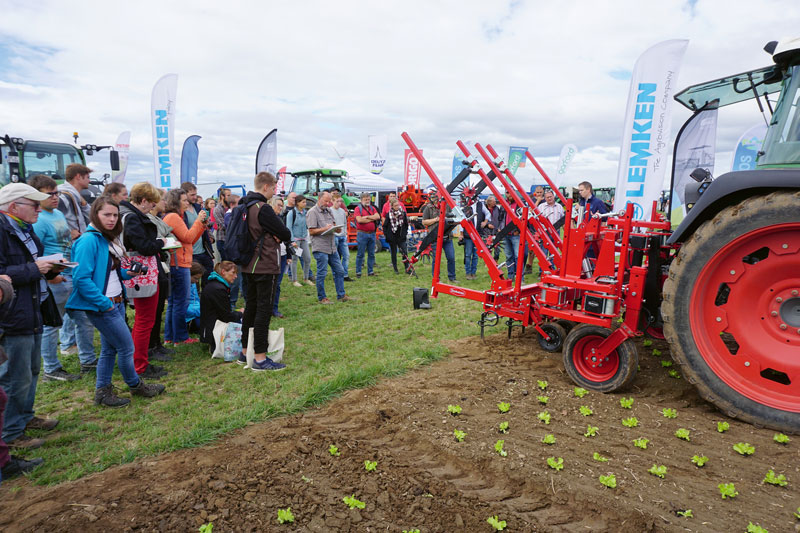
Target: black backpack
[[239, 245]]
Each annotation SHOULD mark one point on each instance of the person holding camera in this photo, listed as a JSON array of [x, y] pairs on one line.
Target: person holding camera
[[98, 290], [140, 238]]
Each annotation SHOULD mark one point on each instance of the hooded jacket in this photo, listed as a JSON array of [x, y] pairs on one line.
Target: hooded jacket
[[215, 304], [263, 222], [90, 277]]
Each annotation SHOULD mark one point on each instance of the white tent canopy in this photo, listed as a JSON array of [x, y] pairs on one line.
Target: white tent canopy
[[360, 179]]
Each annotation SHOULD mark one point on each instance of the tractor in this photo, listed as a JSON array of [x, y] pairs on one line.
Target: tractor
[[723, 287]]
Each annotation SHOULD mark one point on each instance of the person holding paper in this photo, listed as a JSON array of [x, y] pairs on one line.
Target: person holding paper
[[321, 226]]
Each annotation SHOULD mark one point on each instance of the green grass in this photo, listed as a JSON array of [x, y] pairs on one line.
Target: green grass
[[329, 349]]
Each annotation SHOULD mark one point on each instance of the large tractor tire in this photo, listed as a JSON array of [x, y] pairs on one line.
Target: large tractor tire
[[731, 310]]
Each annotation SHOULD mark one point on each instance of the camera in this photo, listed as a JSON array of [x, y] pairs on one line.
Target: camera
[[137, 268]]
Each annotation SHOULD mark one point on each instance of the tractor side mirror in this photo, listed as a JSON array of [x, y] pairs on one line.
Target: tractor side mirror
[[114, 157]]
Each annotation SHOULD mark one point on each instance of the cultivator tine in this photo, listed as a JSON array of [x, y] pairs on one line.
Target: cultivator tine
[[458, 180]]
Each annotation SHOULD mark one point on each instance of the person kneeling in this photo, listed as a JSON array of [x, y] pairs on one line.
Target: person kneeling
[[215, 305], [98, 290]]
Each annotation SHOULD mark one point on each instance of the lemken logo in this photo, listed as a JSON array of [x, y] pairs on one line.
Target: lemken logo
[[162, 139], [640, 141]]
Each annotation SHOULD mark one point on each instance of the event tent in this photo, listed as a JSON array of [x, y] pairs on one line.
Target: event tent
[[360, 179]]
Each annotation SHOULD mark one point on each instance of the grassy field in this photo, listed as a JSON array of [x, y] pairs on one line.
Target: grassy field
[[329, 349]]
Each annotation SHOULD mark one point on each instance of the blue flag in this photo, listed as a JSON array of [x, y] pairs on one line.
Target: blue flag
[[189, 159]]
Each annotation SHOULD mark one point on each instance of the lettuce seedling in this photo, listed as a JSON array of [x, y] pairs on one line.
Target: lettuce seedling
[[503, 407], [591, 431], [459, 435], [206, 528], [780, 438], [631, 422], [699, 460], [656, 352], [658, 470], [544, 416], [626, 403], [669, 413], [370, 466], [647, 342], [496, 523], [454, 410], [674, 373], [772, 479], [641, 443], [285, 515], [549, 439], [666, 364], [609, 481], [503, 427], [684, 434], [727, 490], [599, 458], [411, 531], [555, 464], [797, 513], [722, 427], [543, 399], [585, 410], [753, 528], [744, 448], [333, 450], [542, 384], [306, 479], [498, 447], [686, 514], [352, 502], [580, 392]]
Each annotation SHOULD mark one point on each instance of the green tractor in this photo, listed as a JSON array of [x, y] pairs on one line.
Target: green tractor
[[731, 302], [310, 183]]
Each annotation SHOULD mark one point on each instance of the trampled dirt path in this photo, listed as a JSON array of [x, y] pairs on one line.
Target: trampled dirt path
[[426, 480]]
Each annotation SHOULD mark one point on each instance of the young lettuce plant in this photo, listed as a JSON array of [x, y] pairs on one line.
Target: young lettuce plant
[[498, 447], [658, 470], [772, 479], [591, 431], [647, 342], [411, 531], [555, 464], [580, 392], [699, 460], [352, 502], [503, 407], [599, 458], [722, 427], [542, 384], [454, 410], [543, 399], [370, 466], [609, 481], [503, 427], [496, 523], [666, 364], [674, 373], [669, 413], [333, 450], [285, 516], [631, 422], [744, 448], [753, 528], [544, 416], [206, 528], [626, 403], [641, 443], [686, 514], [683, 433], [585, 410], [549, 439], [780, 438], [727, 490]]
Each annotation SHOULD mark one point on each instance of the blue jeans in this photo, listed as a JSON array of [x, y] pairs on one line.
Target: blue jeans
[[236, 287], [278, 285], [470, 257], [344, 253], [175, 327], [365, 241], [511, 246], [81, 324], [323, 260], [116, 343], [18, 376], [450, 254]]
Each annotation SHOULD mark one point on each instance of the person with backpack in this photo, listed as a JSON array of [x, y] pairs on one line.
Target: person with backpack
[[255, 228]]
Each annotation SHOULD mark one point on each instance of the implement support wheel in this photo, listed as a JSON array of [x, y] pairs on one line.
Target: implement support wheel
[[556, 334], [615, 371], [732, 310]]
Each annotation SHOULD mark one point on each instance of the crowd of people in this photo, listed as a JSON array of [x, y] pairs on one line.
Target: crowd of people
[[70, 268]]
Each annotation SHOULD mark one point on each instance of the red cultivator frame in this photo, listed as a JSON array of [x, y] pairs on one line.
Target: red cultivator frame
[[602, 266]]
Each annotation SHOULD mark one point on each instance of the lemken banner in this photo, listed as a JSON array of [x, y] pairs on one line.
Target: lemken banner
[[412, 170], [568, 152], [648, 119], [516, 158], [123, 147], [162, 113], [377, 153]]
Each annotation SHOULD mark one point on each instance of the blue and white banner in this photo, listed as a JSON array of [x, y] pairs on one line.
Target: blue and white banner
[[744, 157], [516, 158], [568, 152], [377, 153], [162, 114], [267, 154], [189, 159], [648, 120], [695, 146], [123, 148]]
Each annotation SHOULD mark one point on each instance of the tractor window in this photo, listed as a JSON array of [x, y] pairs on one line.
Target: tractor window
[[300, 184], [782, 144], [50, 159]]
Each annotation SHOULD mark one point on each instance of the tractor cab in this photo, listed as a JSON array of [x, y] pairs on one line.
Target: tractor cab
[[310, 183]]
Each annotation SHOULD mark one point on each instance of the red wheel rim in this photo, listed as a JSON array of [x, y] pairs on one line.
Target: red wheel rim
[[589, 365], [745, 315], [656, 333]]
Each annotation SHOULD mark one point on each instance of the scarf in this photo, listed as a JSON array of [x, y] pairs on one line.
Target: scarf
[[396, 219]]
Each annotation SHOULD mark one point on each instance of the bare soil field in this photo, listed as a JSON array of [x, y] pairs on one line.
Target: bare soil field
[[425, 479]]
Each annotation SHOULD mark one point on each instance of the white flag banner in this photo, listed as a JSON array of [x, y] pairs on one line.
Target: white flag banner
[[123, 148], [568, 153], [695, 147], [377, 153], [267, 153], [162, 113], [648, 120]]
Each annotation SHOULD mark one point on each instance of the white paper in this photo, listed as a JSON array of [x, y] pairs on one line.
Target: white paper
[[332, 230]]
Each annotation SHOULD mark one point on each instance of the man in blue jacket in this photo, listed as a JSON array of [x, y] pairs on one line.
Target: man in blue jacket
[[20, 252], [592, 203]]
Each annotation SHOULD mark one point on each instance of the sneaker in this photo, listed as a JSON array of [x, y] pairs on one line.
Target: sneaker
[[358, 275], [24, 442], [373, 274], [163, 350], [147, 390], [325, 301], [266, 364], [348, 278], [107, 397], [277, 314], [345, 298], [242, 359], [88, 367], [60, 375], [70, 350], [453, 280], [155, 355], [17, 466], [309, 282], [47, 424], [190, 340], [153, 372], [297, 284]]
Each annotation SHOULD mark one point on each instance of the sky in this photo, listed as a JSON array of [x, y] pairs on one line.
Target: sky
[[329, 74]]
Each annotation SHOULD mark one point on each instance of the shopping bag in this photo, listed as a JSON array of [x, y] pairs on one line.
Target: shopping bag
[[274, 349]]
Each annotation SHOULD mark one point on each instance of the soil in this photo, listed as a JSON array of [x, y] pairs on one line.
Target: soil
[[425, 479]]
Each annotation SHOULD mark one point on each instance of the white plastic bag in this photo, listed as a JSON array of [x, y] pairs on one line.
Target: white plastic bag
[[274, 350]]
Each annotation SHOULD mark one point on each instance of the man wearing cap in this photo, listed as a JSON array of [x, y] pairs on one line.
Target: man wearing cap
[[430, 219], [20, 252]]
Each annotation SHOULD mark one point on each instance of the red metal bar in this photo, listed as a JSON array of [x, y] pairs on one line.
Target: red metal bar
[[545, 176]]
